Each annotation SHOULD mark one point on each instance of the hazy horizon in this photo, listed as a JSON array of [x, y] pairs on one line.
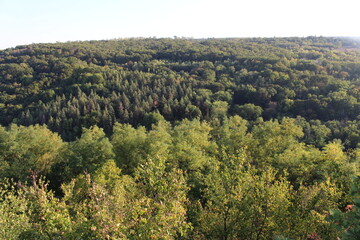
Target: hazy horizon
[[24, 22]]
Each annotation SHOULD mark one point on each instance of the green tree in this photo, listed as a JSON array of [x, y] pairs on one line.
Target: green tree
[[129, 144], [49, 216], [231, 134], [272, 138], [219, 109], [248, 111], [89, 152], [309, 211], [163, 207], [27, 149], [242, 203], [14, 213], [348, 221], [191, 144], [101, 204]]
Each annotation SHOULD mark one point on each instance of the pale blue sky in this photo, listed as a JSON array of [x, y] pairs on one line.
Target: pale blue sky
[[34, 21]]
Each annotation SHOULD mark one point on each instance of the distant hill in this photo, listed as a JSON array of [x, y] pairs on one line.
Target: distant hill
[[72, 85]]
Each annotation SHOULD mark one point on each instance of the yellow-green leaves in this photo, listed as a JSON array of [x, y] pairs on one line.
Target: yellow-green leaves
[[27, 149], [89, 152]]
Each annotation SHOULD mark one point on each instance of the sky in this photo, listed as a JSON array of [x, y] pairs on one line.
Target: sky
[[43, 21]]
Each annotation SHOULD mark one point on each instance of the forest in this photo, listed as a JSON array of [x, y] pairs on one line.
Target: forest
[[146, 138]]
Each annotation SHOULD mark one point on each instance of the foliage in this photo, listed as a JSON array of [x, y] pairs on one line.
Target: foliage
[[191, 180], [180, 139], [13, 211], [348, 221], [240, 204], [68, 86], [28, 149]]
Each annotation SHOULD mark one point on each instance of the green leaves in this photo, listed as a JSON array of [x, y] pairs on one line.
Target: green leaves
[[243, 203], [27, 149], [165, 191], [227, 178], [349, 220], [14, 215], [230, 179], [89, 152]]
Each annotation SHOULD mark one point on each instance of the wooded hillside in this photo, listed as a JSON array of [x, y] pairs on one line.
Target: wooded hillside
[[181, 139], [72, 85]]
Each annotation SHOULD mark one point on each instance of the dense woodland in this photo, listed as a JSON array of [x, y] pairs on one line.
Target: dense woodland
[[181, 139]]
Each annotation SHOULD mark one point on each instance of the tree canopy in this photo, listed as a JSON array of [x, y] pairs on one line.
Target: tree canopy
[[252, 139]]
